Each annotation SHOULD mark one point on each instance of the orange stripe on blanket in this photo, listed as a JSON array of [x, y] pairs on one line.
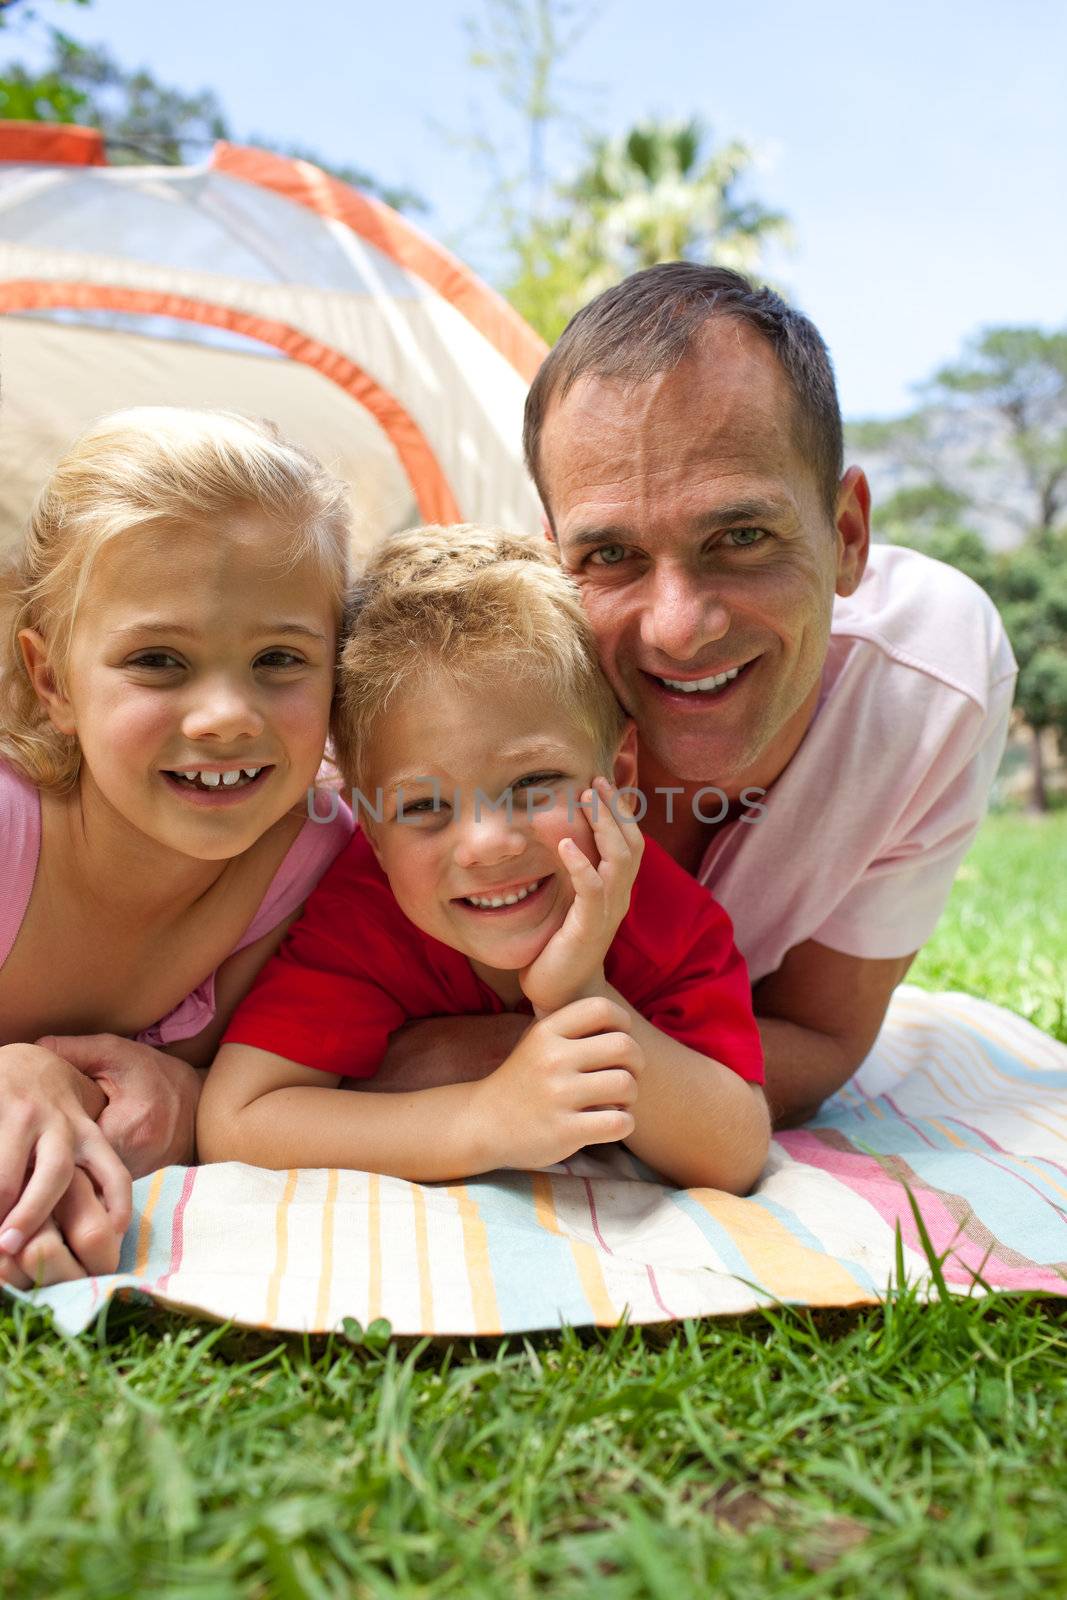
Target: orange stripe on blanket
[[476, 1255], [281, 1247], [329, 1208], [144, 1233], [374, 1247], [422, 1256], [781, 1263], [586, 1263]]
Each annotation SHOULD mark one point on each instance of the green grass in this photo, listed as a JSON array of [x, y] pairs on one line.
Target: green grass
[[909, 1451]]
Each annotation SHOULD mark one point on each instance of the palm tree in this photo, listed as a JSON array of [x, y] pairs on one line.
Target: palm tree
[[659, 192]]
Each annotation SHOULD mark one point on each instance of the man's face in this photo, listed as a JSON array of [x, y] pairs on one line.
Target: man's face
[[705, 554]]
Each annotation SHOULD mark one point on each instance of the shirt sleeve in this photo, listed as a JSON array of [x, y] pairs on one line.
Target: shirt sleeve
[[681, 969], [893, 908], [326, 999]]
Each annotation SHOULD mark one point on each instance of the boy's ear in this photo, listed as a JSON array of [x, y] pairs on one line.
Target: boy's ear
[[624, 774], [39, 669]]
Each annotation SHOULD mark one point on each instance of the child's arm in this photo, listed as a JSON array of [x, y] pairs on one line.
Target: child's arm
[[568, 1083], [696, 1121]]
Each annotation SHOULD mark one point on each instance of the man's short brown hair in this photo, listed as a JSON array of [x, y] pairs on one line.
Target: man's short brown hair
[[650, 322]]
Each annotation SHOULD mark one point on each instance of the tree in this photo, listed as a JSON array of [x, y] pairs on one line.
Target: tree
[[992, 435], [662, 191], [142, 119]]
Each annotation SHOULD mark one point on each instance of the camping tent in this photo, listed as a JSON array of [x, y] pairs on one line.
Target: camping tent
[[260, 284]]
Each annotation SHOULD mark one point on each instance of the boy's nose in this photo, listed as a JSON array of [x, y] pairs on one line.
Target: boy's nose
[[487, 836]]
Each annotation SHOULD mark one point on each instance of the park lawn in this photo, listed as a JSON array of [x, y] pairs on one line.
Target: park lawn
[[915, 1450]]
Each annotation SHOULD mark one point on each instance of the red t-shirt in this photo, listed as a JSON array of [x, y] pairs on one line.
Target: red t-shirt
[[354, 969]]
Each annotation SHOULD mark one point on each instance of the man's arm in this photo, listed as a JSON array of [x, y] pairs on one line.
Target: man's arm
[[818, 1016]]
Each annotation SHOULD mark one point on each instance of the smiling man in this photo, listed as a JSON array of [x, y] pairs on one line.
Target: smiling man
[[820, 722]]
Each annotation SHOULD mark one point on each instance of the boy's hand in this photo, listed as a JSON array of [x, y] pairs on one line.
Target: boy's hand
[[569, 1082], [572, 963]]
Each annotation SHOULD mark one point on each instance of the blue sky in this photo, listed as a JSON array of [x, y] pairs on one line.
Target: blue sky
[[920, 149]]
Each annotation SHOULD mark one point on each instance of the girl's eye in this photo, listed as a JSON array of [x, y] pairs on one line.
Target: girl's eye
[[155, 661], [279, 659], [609, 555], [741, 538]]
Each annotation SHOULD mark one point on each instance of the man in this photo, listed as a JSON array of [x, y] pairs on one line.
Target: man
[[820, 723]]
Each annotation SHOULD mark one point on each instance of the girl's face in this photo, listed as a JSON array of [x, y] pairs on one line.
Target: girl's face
[[199, 683]]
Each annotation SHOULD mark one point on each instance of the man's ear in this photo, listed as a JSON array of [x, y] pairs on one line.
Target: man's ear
[[37, 658], [853, 522], [624, 772]]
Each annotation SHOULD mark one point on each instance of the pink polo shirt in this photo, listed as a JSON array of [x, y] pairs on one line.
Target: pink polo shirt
[[307, 858], [861, 835]]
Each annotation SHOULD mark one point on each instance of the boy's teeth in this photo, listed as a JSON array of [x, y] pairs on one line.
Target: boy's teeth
[[701, 684], [212, 780], [230, 778], [487, 901], [251, 772]]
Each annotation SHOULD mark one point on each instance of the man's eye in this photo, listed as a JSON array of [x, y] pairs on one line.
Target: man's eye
[[742, 537], [608, 555]]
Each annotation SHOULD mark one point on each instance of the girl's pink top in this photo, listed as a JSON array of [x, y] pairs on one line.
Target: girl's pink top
[[311, 852]]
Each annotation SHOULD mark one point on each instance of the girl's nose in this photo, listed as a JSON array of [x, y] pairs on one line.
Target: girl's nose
[[222, 710]]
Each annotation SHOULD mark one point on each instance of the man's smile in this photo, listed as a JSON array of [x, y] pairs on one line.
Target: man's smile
[[699, 691]]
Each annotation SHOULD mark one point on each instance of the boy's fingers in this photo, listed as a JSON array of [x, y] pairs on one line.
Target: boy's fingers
[[53, 1164], [604, 1126], [11, 1273], [584, 1018], [608, 1088]]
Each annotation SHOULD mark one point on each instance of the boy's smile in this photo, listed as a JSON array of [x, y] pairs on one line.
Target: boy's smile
[[477, 790]]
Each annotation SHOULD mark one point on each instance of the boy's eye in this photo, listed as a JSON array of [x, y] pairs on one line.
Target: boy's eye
[[429, 806], [538, 780]]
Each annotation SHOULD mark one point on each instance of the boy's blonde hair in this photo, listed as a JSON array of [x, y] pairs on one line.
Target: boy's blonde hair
[[475, 605], [136, 471]]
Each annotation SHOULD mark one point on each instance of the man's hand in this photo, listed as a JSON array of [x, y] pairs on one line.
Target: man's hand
[[47, 1130], [81, 1238], [440, 1050], [572, 963], [150, 1116], [569, 1082]]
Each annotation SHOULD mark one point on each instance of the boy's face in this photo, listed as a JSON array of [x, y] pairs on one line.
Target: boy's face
[[478, 787]]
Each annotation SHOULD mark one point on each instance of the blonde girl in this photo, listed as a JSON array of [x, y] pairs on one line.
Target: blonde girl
[[166, 685]]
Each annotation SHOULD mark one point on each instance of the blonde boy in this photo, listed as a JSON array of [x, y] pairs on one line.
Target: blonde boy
[[498, 869]]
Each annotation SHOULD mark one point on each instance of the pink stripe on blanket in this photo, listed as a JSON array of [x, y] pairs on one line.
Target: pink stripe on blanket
[[867, 1177], [177, 1232]]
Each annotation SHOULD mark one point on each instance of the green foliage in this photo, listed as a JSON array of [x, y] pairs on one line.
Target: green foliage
[[142, 119]]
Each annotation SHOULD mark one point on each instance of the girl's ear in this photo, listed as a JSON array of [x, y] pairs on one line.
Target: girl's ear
[[624, 774], [42, 674]]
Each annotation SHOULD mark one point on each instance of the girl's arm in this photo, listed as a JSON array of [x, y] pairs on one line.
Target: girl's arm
[[696, 1121]]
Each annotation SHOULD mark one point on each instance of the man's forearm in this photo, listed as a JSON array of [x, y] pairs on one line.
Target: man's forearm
[[442, 1050], [803, 1069]]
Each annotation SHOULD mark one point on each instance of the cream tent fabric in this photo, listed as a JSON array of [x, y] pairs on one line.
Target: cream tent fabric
[[257, 283]]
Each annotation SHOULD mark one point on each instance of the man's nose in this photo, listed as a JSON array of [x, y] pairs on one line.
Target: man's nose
[[682, 614], [489, 833], [222, 709]]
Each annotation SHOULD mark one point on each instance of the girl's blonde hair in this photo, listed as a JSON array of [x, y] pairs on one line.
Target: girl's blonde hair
[[131, 472], [478, 606]]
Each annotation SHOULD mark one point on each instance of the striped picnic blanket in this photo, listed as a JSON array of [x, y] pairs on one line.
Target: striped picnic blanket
[[961, 1105]]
